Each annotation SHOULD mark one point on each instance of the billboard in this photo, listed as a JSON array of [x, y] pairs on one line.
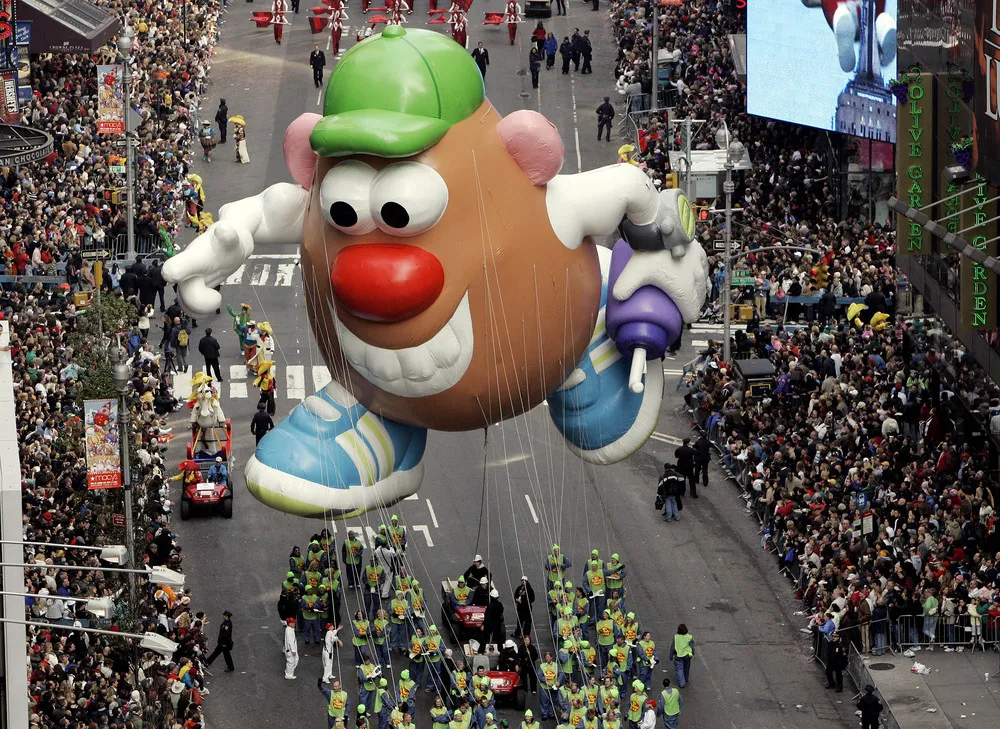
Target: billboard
[[110, 100], [824, 64], [104, 468], [8, 34], [986, 90], [978, 292], [914, 161]]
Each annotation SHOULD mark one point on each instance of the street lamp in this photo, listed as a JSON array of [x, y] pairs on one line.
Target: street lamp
[[734, 154], [102, 607], [121, 375], [125, 42], [113, 554], [147, 641]]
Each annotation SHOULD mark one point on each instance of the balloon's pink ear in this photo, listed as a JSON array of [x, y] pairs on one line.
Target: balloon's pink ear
[[299, 157], [534, 143]]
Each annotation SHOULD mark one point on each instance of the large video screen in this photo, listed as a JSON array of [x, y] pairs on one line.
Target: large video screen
[[824, 63]]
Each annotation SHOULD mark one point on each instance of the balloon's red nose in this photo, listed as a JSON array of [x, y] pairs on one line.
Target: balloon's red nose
[[386, 282]]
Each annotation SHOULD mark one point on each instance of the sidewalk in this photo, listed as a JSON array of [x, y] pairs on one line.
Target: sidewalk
[[954, 689]]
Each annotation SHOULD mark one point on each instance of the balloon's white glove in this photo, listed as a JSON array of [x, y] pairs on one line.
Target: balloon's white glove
[[208, 261], [684, 278]]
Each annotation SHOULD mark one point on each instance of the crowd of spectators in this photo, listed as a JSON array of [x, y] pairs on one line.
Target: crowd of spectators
[[787, 198], [63, 204], [52, 212], [887, 411]]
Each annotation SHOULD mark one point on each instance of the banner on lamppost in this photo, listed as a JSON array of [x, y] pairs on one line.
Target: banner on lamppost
[[104, 467], [110, 100]]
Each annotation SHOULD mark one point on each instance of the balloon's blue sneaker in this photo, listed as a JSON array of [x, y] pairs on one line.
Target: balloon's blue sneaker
[[594, 409], [332, 457]]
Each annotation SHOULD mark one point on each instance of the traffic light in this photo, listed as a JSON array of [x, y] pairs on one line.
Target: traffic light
[[670, 181], [820, 276], [700, 212]]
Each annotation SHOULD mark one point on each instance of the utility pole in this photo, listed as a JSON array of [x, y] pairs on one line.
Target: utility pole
[[125, 41], [121, 375], [734, 153], [14, 640], [687, 159], [654, 43]]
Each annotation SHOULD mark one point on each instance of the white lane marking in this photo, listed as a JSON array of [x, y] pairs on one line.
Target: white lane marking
[[260, 274], [672, 372], [497, 463], [295, 382], [664, 438], [277, 256], [412, 497], [237, 372], [531, 508], [182, 384], [319, 97], [284, 275], [699, 342], [237, 275], [321, 377], [422, 528], [434, 518], [238, 390], [576, 126]]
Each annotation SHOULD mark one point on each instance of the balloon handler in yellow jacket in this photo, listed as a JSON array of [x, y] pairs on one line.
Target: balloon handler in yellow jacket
[[442, 253]]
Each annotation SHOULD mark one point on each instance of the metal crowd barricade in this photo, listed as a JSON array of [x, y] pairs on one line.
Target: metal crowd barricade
[[950, 631]]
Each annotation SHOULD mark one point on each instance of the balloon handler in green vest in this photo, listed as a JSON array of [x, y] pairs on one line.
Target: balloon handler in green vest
[[669, 705], [681, 653], [422, 215], [337, 701]]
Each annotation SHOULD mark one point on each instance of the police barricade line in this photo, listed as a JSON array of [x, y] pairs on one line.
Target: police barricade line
[[960, 630]]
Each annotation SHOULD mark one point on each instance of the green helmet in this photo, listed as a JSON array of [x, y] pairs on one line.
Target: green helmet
[[397, 94]]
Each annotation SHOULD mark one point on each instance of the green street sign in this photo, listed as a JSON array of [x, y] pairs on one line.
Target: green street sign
[[743, 278]]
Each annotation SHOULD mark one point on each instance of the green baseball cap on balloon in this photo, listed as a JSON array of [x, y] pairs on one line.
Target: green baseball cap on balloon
[[397, 94]]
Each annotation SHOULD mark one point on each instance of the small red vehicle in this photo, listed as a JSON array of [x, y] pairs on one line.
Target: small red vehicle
[[466, 621], [507, 688], [205, 446]]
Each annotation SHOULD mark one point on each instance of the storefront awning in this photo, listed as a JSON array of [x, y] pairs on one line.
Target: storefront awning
[[67, 26]]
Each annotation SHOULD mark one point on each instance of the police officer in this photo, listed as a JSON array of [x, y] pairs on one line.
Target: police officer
[[870, 708], [225, 643], [605, 113], [586, 52], [261, 423], [685, 466]]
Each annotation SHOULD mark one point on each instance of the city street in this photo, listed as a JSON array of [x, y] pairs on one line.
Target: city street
[[508, 494]]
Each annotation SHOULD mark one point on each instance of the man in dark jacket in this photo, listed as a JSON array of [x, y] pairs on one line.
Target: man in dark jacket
[[605, 113], [827, 306], [870, 707], [222, 120], [566, 51], [261, 423], [836, 662], [685, 466], [159, 283], [129, 283], [586, 52], [669, 492], [482, 58], [225, 643], [317, 59], [702, 457], [493, 626], [576, 48], [209, 349], [524, 598]]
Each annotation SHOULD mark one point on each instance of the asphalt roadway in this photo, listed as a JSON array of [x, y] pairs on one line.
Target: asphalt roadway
[[752, 667]]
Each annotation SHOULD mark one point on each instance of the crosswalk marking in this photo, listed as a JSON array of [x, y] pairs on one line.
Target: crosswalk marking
[[699, 343], [422, 528], [284, 275], [295, 382], [260, 274], [237, 382], [664, 438], [182, 384], [321, 377]]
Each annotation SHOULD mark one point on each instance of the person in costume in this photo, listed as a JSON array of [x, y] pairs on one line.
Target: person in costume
[[208, 138], [240, 137], [263, 343], [337, 18], [266, 383], [278, 20], [844, 19], [241, 325], [512, 16], [459, 27]]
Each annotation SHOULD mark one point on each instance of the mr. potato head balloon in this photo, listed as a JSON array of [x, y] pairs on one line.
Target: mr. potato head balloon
[[451, 278]]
